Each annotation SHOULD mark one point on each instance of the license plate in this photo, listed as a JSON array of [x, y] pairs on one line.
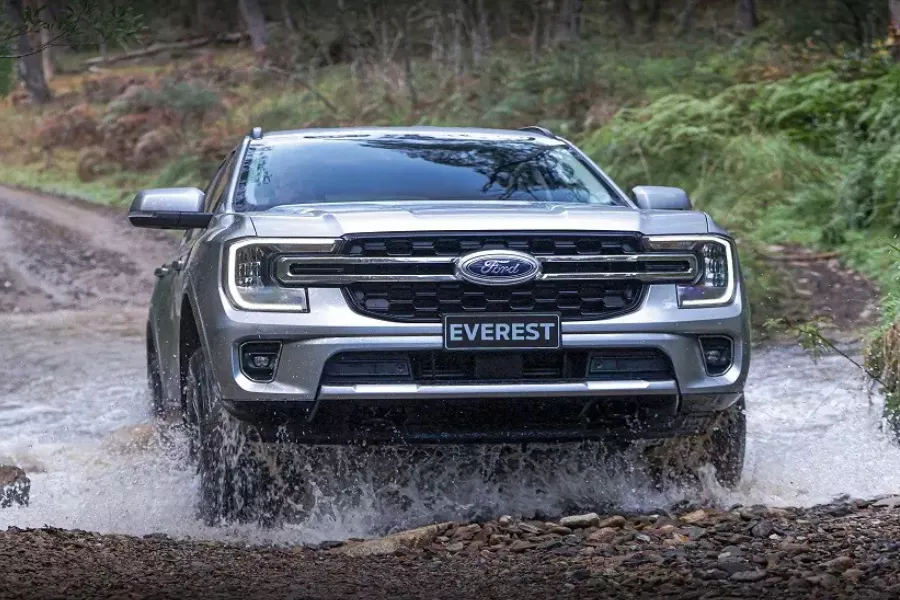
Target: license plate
[[501, 332]]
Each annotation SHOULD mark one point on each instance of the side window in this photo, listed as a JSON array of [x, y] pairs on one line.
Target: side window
[[219, 186]]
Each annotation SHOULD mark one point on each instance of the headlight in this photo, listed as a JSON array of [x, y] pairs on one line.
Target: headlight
[[248, 271], [716, 284]]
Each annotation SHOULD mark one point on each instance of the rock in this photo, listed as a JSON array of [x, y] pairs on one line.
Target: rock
[[455, 547], [853, 575], [505, 521], [466, 532], [410, 539], [521, 546], [714, 574], [889, 502], [839, 564], [763, 529], [529, 529], [825, 580], [616, 521], [580, 574], [748, 576], [580, 521], [733, 565], [560, 530], [604, 535], [693, 532], [694, 517], [15, 487]]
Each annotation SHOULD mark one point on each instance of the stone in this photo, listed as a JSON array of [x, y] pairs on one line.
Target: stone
[[889, 502], [853, 574], [505, 521], [693, 532], [604, 535], [734, 565], [748, 576], [560, 530], [529, 529], [580, 574], [694, 516], [616, 521], [455, 547], [825, 580], [839, 564], [15, 487], [580, 521], [763, 529], [421, 537], [521, 546], [466, 532]]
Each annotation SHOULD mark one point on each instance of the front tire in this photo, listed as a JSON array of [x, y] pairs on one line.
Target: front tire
[[236, 479]]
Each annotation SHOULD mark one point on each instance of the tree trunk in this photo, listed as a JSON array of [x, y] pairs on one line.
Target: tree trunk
[[28, 65], [536, 30], [256, 25], [653, 18], [686, 23], [484, 28], [46, 55], [746, 15], [407, 62], [568, 23], [894, 7], [287, 17], [627, 15]]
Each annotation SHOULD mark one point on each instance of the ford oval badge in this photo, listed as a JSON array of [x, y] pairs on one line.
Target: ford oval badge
[[498, 267]]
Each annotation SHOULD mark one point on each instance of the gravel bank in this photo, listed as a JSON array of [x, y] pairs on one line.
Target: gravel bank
[[849, 549]]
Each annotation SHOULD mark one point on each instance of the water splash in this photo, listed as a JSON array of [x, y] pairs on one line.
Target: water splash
[[74, 415]]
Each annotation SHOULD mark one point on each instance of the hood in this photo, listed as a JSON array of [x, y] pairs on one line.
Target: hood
[[336, 220]]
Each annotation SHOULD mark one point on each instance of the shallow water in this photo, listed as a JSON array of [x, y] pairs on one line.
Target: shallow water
[[73, 413]]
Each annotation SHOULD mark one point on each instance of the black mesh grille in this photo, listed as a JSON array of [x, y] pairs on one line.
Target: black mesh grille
[[430, 301], [433, 367]]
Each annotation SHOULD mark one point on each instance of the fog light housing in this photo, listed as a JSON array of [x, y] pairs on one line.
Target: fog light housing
[[259, 360], [718, 353]]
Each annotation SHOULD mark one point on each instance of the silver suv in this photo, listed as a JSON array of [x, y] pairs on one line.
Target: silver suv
[[434, 286]]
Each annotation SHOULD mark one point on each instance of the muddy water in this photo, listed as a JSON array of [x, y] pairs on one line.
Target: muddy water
[[73, 413]]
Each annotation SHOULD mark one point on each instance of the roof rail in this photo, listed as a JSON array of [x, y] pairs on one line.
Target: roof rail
[[539, 130], [256, 133]]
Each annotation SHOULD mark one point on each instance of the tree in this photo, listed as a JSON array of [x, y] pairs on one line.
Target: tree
[[28, 66], [256, 25], [746, 15], [894, 8]]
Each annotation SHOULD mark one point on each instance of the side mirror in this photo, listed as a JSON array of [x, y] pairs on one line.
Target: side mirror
[[169, 208], [654, 197]]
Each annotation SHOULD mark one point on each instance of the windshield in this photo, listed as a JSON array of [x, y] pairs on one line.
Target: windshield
[[414, 167]]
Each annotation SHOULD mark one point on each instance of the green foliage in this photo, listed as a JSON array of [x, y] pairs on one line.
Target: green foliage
[[190, 102], [186, 170], [77, 22]]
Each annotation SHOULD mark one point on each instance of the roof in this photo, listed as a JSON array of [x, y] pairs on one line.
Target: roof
[[449, 133]]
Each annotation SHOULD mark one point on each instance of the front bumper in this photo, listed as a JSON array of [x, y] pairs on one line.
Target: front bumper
[[332, 327]]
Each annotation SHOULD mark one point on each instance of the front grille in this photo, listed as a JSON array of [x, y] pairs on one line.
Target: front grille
[[444, 367], [429, 301]]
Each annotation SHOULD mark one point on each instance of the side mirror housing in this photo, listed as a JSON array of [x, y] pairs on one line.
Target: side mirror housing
[[654, 197], [169, 208]]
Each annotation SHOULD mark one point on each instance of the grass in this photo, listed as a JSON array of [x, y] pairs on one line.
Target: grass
[[774, 157]]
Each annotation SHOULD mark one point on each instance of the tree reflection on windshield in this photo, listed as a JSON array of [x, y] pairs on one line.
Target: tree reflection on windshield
[[414, 167]]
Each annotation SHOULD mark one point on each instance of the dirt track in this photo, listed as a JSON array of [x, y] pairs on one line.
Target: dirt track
[[57, 254], [69, 261]]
